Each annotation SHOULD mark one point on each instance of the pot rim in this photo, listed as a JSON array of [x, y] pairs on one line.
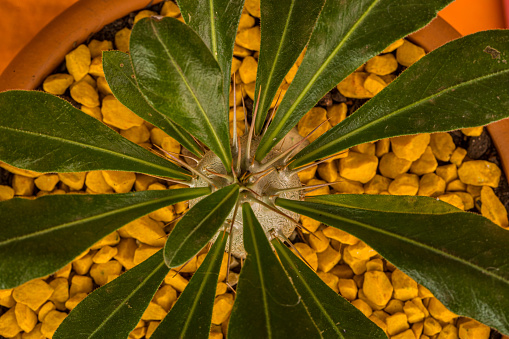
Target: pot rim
[[47, 49]]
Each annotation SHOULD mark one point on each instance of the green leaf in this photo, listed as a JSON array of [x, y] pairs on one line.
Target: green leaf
[[347, 34], [286, 26], [199, 225], [38, 237], [462, 84], [119, 73], [216, 22], [266, 304], [459, 256], [43, 133], [334, 316], [190, 317], [180, 78], [114, 310]]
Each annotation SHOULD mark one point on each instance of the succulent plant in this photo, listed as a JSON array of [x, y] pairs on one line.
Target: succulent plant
[[177, 77]]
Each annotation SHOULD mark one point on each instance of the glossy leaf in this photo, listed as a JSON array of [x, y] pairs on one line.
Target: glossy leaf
[[38, 237], [459, 256], [119, 73], [180, 78], [286, 26], [114, 310], [462, 84], [334, 316], [347, 34], [216, 22], [266, 304], [43, 133], [190, 317], [199, 225]]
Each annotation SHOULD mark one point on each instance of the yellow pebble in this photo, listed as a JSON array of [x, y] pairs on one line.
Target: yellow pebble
[[456, 185], [291, 73], [145, 230], [176, 281], [330, 280], [442, 146], [472, 131], [51, 322], [408, 53], [6, 192], [246, 21], [75, 300], [57, 84], [103, 87], [249, 38], [397, 323], [468, 201], [8, 325], [431, 185], [307, 174], [339, 235], [85, 94], [447, 172], [25, 317], [125, 252], [375, 265], [479, 172], [95, 182], [405, 288], [382, 64], [343, 185], [100, 272], [358, 167], [75, 181], [404, 184], [374, 84], [353, 86], [394, 306], [492, 208], [165, 297], [318, 241], [317, 191], [144, 181], [449, 332], [22, 185], [138, 333], [307, 253], [393, 46], [452, 199], [342, 271], [439, 311], [427, 163], [240, 52], [247, 70], [64, 272], [309, 224], [122, 39], [410, 147], [366, 148], [363, 307], [144, 14], [110, 240], [458, 155], [377, 184], [240, 114], [377, 288], [413, 312], [328, 171], [170, 145], [315, 118], [96, 47], [6, 298], [328, 259], [222, 308], [408, 334], [96, 67], [78, 62], [33, 293], [431, 327], [61, 290], [391, 165], [121, 182], [360, 251], [104, 255], [472, 329], [348, 288], [117, 115], [46, 182], [154, 312], [253, 7], [143, 252], [337, 113], [170, 9]]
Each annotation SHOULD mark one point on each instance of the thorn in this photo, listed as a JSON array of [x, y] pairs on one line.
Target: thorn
[[272, 114], [230, 242], [231, 287], [263, 176], [304, 167], [293, 189], [251, 129], [235, 145], [187, 183]]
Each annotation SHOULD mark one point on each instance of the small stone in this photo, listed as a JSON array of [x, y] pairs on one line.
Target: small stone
[[431, 185], [391, 165], [449, 332], [348, 288], [318, 241], [358, 167], [46, 182], [154, 312], [101, 272], [291, 74], [253, 7], [307, 174], [247, 70], [121, 182], [394, 306], [23, 185], [382, 64], [377, 288], [374, 84], [413, 312], [393, 46], [473, 329], [307, 253], [337, 113], [317, 116], [136, 134], [431, 327], [439, 311], [51, 322], [328, 171], [442, 146], [125, 252], [143, 252], [45, 309], [33, 293], [353, 86], [377, 184], [410, 147], [96, 67], [346, 186], [110, 240], [404, 184], [75, 181], [492, 208], [408, 334], [241, 52], [366, 148], [479, 173], [169, 144], [61, 290], [6, 298], [73, 301], [170, 9], [122, 39], [9, 327], [165, 297], [427, 163], [456, 185], [104, 255], [117, 115], [328, 259], [452, 199], [447, 172], [103, 87], [176, 281], [144, 14], [405, 288], [363, 307], [222, 308], [246, 21], [468, 200], [375, 265], [78, 61], [330, 280], [85, 94], [57, 84], [360, 251], [397, 323], [25, 317], [472, 131], [249, 38], [6, 192], [96, 47], [95, 183], [408, 53], [145, 230], [317, 191], [382, 147], [458, 155]]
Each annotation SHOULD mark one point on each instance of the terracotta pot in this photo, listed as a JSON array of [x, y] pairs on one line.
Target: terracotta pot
[[436, 34], [74, 26]]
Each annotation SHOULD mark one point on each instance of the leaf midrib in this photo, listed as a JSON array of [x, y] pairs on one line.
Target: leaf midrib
[[92, 147], [303, 93], [213, 33], [407, 107], [405, 239], [84, 220], [210, 127]]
